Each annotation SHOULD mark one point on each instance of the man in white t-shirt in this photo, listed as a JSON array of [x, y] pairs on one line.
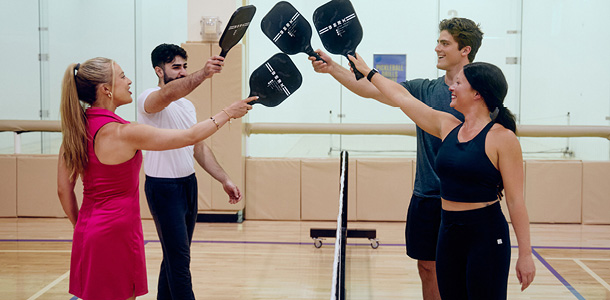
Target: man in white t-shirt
[[171, 186]]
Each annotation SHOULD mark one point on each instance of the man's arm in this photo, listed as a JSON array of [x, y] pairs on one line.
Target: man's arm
[[206, 159], [176, 89], [345, 77]]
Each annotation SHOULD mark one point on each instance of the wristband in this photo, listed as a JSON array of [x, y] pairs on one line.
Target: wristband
[[371, 73]]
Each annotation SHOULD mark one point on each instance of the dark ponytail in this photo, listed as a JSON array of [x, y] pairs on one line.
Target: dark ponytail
[[490, 82], [506, 118]]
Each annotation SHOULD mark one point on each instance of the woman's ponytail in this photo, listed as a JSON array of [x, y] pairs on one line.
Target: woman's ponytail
[[80, 83]]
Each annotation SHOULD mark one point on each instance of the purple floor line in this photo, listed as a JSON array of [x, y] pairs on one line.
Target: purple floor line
[[36, 240], [571, 248], [292, 243], [557, 275]]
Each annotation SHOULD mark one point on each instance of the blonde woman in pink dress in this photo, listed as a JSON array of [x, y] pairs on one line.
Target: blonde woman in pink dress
[[108, 261]]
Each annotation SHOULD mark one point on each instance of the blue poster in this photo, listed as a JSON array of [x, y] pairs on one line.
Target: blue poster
[[392, 66]]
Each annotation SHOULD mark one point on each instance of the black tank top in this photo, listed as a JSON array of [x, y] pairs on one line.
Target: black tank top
[[465, 171]]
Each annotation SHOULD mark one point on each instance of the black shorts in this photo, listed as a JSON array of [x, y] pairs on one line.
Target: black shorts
[[421, 231]]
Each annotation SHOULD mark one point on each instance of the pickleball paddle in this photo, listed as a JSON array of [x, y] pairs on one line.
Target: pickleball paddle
[[288, 29], [236, 28], [275, 80], [339, 29]]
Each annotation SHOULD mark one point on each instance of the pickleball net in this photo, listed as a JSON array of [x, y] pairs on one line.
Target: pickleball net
[[338, 285]]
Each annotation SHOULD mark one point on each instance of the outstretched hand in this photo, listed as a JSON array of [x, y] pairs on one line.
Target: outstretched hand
[[213, 65], [240, 107], [359, 64], [322, 66]]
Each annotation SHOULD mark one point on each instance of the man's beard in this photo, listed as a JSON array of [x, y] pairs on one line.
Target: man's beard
[[167, 79]]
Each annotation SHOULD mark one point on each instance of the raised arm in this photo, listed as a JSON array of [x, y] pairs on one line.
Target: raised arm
[[345, 77], [434, 122], [176, 89], [65, 189], [510, 164]]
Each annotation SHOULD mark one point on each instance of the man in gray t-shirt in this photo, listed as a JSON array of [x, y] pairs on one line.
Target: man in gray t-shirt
[[458, 42]]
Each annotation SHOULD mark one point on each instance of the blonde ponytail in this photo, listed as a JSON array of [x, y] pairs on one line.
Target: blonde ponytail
[[80, 83]]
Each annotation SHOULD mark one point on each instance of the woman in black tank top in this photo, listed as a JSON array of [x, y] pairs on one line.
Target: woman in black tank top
[[479, 160]]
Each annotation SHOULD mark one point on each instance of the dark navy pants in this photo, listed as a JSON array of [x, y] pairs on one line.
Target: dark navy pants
[[473, 254], [173, 206]]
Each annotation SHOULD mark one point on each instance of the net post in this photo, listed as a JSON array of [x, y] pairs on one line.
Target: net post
[[343, 231]]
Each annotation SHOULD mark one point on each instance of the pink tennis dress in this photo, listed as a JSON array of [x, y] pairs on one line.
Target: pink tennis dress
[[108, 260]]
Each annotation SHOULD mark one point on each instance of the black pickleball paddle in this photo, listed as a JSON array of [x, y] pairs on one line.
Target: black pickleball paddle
[[236, 28], [288, 29], [275, 80], [339, 29]]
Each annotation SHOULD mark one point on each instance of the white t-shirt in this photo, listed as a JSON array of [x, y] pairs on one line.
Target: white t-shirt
[[180, 114]]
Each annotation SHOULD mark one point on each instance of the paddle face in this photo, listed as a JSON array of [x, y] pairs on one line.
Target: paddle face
[[275, 80], [288, 29], [236, 28], [339, 28]]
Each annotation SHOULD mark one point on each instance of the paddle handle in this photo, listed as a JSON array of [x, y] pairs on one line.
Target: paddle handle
[[356, 72], [316, 55], [224, 52]]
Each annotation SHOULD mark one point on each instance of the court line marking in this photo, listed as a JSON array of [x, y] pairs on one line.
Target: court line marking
[[35, 251], [294, 243], [593, 274], [558, 276], [582, 258], [49, 286], [291, 253], [571, 248]]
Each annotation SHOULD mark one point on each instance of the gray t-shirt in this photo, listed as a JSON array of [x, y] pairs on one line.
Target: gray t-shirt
[[435, 93]]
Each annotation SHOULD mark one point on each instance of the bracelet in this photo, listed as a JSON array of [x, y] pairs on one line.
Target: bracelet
[[214, 120], [371, 73], [228, 115]]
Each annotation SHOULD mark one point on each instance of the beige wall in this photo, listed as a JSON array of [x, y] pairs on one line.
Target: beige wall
[[596, 192], [29, 187], [308, 189], [554, 191], [384, 188], [273, 190], [8, 186]]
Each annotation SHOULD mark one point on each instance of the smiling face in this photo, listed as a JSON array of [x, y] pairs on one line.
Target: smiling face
[[447, 52], [461, 91], [121, 94], [173, 70]]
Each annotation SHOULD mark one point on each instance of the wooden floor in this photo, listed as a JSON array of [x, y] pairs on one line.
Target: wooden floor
[[277, 260]]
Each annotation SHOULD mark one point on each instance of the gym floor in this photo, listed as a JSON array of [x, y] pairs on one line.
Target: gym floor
[[278, 260]]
